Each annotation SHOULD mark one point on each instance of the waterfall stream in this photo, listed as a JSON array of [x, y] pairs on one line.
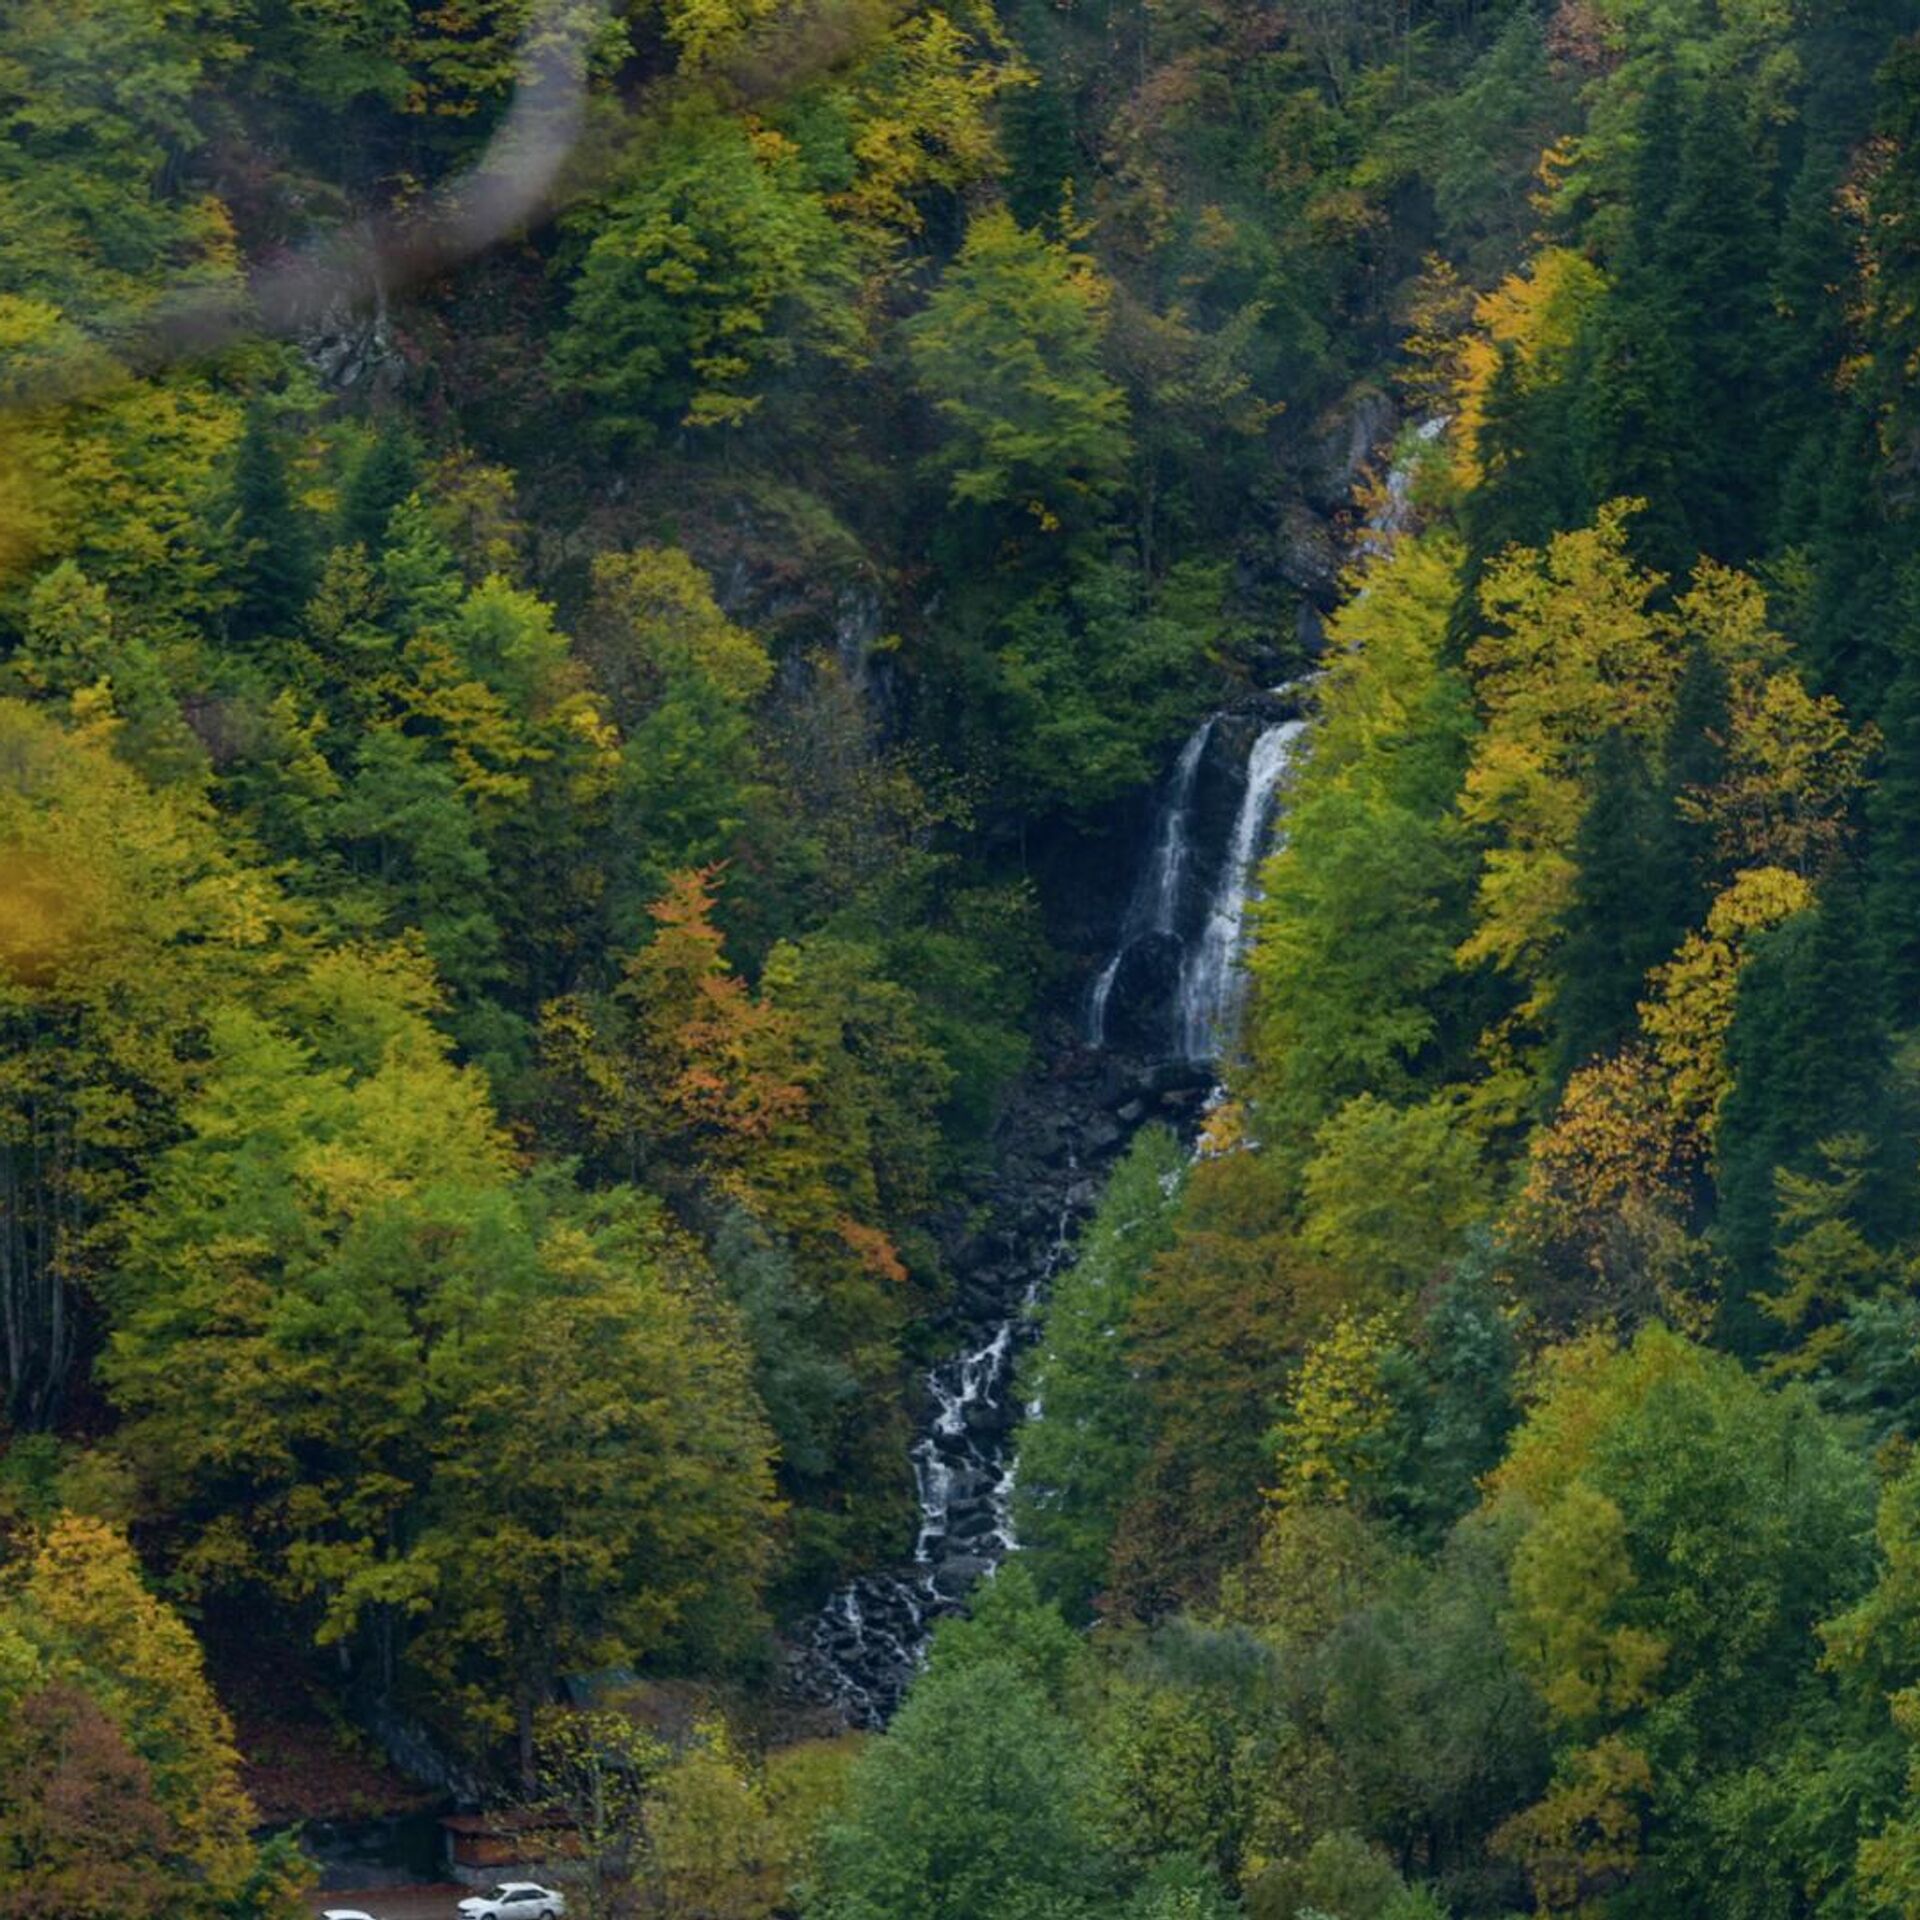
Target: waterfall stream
[[1178, 948], [1156, 900], [1181, 937], [1189, 900], [865, 1645], [1210, 978]]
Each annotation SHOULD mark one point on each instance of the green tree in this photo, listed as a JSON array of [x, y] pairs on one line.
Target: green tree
[[1437, 1737], [1628, 908], [1090, 675], [1340, 1876], [384, 474], [100, 101], [447, 1422], [709, 274], [1827, 1265], [1892, 872], [972, 1807], [1362, 907], [1389, 1192], [1218, 1318], [271, 571], [1079, 1454], [1681, 1533], [1007, 352], [682, 682], [1875, 1647], [125, 923], [1808, 1055], [1180, 1888]]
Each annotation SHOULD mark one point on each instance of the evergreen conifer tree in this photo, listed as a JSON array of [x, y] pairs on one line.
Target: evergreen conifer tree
[[1810, 1059], [1714, 250], [272, 569], [385, 474], [1693, 761], [1530, 486], [1628, 909], [1893, 851], [1848, 643]]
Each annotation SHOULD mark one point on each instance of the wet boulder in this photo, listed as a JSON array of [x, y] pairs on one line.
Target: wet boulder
[[1144, 987]]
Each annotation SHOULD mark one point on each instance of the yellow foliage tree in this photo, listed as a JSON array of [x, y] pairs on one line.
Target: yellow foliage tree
[[653, 622], [1602, 1214], [1793, 765], [1689, 1010], [1339, 1410], [921, 112], [1585, 1831], [79, 1615], [1575, 646], [718, 1851], [1535, 315]]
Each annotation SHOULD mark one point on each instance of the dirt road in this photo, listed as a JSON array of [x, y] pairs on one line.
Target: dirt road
[[397, 1903]]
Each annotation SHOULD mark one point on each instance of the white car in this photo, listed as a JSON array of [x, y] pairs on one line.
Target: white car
[[514, 1900], [344, 1913]]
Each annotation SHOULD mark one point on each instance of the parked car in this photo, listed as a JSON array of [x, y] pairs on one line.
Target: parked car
[[344, 1913], [514, 1900]]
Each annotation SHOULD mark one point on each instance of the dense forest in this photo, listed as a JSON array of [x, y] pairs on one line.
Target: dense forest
[[592, 600]]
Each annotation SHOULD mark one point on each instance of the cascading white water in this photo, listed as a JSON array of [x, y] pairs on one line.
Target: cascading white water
[[1210, 975], [1206, 991], [867, 1642], [1155, 904], [1393, 512]]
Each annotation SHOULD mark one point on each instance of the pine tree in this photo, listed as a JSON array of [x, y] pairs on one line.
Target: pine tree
[[272, 571], [1810, 1061], [1850, 633], [1804, 340], [1530, 486], [1628, 910], [1713, 255], [1667, 401], [1628, 375], [1692, 764], [1893, 851], [383, 476], [1037, 127]]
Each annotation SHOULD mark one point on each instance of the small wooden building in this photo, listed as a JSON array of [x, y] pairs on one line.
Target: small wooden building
[[485, 1847]]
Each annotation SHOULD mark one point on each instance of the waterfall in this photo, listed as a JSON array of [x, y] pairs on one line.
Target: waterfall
[[1187, 973], [1393, 512], [1210, 978], [865, 1645], [1155, 904], [1184, 926], [1198, 936]]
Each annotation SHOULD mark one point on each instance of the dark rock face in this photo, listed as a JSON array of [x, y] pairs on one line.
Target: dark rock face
[[1346, 441], [349, 343], [1308, 555], [1142, 993], [1184, 855]]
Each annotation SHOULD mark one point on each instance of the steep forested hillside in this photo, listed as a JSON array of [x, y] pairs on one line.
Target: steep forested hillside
[[591, 597]]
